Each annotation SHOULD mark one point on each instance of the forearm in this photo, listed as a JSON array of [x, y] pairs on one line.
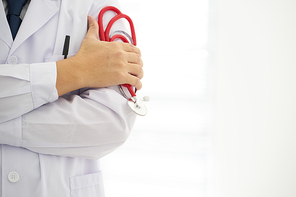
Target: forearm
[[68, 78], [89, 125]]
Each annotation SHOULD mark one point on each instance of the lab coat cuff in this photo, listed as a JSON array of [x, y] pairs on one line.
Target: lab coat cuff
[[11, 132], [43, 83]]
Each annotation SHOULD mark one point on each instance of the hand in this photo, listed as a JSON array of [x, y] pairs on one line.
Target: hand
[[107, 64], [100, 64]]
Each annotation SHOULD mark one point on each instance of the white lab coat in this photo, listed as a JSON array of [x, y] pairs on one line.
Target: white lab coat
[[53, 143]]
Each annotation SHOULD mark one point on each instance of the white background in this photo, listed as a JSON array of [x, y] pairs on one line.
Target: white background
[[246, 51], [167, 152], [255, 108]]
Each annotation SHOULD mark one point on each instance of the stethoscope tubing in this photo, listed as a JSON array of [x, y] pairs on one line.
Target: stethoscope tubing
[[104, 35]]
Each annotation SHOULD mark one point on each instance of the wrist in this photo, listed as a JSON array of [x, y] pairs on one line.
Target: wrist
[[68, 76]]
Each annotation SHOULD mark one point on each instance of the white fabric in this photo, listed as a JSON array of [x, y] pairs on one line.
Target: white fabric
[[53, 142]]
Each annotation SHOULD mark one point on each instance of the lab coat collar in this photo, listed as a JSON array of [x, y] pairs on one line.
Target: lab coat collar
[[5, 34], [39, 12]]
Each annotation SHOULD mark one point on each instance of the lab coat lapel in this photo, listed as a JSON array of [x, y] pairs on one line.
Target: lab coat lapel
[[5, 34], [39, 12]]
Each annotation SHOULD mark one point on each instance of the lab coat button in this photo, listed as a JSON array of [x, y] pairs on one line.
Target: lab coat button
[[13, 177], [13, 60]]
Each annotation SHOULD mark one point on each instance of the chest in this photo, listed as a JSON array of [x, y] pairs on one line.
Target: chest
[[42, 33]]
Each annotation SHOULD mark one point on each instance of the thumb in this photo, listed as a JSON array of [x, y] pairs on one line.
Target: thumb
[[93, 28]]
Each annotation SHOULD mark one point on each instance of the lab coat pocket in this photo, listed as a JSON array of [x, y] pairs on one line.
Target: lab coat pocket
[[90, 185]]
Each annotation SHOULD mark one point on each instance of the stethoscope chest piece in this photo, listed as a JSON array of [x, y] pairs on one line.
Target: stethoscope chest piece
[[138, 107]]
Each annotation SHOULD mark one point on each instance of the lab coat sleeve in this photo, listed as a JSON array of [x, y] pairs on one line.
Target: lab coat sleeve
[[25, 87], [89, 125]]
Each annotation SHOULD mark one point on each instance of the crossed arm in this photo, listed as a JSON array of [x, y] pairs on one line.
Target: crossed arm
[[90, 124]]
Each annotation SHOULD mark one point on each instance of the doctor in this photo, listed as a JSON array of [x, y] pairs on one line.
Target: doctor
[[59, 116]]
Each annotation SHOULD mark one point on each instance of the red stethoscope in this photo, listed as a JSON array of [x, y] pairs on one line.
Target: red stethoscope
[[127, 90]]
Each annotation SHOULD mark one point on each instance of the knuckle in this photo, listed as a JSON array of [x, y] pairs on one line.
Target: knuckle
[[121, 77], [133, 48], [138, 51], [140, 70], [139, 60], [115, 45], [130, 47], [119, 54]]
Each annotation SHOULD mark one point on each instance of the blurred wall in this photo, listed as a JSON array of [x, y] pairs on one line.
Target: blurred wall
[[255, 98]]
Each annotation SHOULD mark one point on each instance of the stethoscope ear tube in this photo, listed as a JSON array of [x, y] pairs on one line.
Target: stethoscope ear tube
[[100, 20], [113, 20]]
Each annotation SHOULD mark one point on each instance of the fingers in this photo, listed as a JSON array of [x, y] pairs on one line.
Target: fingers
[[131, 48], [136, 70], [134, 59], [93, 28], [136, 82], [135, 65]]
